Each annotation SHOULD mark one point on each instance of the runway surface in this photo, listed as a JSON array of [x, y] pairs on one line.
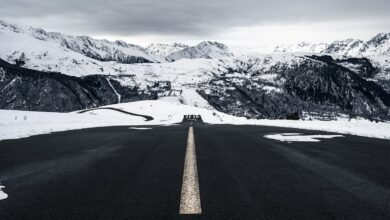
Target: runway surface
[[122, 173]]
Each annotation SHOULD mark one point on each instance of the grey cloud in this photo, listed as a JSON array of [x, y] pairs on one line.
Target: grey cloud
[[184, 17]]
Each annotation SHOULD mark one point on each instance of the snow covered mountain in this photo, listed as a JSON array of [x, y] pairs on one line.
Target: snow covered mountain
[[289, 86], [274, 87], [379, 45], [344, 47], [56, 72], [376, 46], [206, 49], [36, 43], [164, 50], [376, 50], [303, 47]]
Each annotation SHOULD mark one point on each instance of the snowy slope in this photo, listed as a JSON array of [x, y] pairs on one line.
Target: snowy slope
[[45, 56], [206, 49], [184, 73], [102, 50]]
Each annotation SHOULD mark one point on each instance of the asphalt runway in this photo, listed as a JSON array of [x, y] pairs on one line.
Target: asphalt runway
[[122, 173]]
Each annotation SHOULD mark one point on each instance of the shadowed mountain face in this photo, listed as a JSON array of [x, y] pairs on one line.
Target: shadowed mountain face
[[25, 89], [316, 84]]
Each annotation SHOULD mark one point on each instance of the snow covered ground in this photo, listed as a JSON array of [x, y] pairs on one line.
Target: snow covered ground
[[19, 124], [3, 195], [298, 137], [360, 127]]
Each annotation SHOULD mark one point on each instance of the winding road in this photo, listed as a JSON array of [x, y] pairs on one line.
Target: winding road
[[146, 117]]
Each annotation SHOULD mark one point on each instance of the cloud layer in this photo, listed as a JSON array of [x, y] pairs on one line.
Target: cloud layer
[[184, 17]]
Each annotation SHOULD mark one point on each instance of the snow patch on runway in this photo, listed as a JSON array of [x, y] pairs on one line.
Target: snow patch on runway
[[298, 137], [3, 195]]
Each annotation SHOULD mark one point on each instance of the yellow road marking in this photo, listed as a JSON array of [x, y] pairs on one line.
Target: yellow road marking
[[190, 195]]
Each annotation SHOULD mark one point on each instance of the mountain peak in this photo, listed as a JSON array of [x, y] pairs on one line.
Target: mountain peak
[[379, 38], [205, 49], [164, 50], [377, 45], [213, 43]]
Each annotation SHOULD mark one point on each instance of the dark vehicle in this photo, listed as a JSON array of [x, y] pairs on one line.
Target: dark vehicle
[[192, 118]]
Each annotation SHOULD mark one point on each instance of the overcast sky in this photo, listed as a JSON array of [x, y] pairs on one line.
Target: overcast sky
[[235, 22]]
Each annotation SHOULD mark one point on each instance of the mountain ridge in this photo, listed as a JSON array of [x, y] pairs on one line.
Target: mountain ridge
[[205, 49], [164, 50], [376, 45], [102, 50]]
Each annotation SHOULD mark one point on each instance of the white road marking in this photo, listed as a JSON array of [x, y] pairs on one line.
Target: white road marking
[[3, 195], [297, 137], [190, 195]]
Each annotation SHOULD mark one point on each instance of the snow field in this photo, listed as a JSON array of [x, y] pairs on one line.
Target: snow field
[[19, 124]]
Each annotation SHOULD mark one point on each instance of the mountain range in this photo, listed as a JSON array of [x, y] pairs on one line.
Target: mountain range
[[48, 71], [377, 45], [42, 43]]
